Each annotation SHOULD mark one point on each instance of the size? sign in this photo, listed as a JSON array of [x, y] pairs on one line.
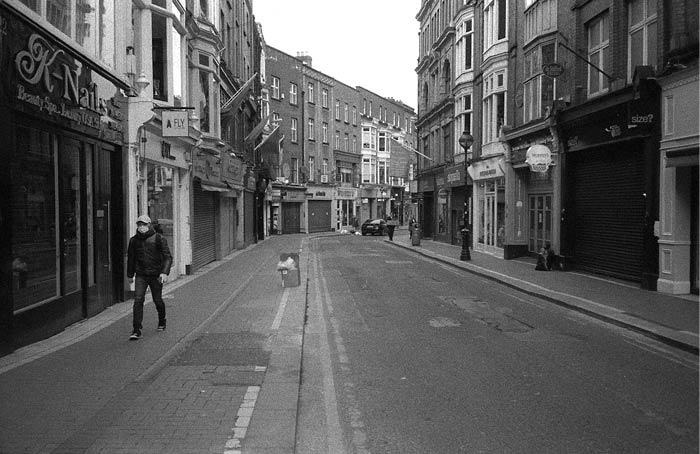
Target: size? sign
[[175, 123]]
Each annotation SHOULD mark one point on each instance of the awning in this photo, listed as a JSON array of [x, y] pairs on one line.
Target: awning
[[235, 101], [212, 186], [208, 187], [250, 138], [682, 158]]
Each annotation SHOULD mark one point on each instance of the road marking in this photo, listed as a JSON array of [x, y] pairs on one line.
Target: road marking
[[280, 310], [335, 432], [240, 428]]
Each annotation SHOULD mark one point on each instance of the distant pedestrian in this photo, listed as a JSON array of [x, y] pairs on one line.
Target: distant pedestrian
[[148, 259], [411, 227], [390, 226]]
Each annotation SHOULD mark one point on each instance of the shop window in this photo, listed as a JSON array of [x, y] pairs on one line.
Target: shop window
[[160, 198], [45, 203]]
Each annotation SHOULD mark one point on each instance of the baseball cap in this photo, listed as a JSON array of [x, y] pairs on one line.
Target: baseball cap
[[143, 218]]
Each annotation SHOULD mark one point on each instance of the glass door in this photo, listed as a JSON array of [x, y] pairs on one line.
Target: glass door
[[540, 222]]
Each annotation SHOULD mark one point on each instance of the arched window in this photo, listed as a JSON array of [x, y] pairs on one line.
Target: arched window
[[446, 78], [425, 95]]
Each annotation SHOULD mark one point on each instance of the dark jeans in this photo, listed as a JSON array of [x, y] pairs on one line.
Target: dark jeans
[[141, 284]]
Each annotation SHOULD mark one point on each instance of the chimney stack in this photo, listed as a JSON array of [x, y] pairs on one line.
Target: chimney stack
[[304, 58]]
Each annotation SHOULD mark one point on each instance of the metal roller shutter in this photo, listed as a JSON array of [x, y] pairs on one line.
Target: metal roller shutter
[[609, 212], [203, 227], [319, 215]]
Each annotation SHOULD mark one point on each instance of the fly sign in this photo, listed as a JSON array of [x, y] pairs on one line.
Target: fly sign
[[175, 123]]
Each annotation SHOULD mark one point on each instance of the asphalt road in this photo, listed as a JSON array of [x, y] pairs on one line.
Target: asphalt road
[[403, 354]]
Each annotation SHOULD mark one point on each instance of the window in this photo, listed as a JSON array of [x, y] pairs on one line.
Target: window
[[495, 23], [540, 18], [90, 23], [382, 172], [538, 92], [369, 170], [275, 83], [324, 167], [311, 129], [494, 105], [370, 108], [293, 127], [369, 138], [337, 110], [354, 144], [312, 168], [464, 122], [468, 44], [293, 93], [598, 54], [294, 168], [337, 140], [382, 141], [346, 142], [642, 35], [346, 113], [354, 115], [204, 105], [311, 97], [324, 132], [324, 98]]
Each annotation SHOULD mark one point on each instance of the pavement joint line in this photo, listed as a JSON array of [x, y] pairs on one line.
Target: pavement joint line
[[195, 333], [607, 314]]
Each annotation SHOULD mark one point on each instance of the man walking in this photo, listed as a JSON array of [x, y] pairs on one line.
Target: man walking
[[149, 259]]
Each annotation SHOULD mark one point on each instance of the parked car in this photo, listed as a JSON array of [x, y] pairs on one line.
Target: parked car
[[373, 227]]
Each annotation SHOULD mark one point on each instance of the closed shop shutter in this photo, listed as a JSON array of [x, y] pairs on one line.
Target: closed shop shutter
[[319, 216], [609, 212], [203, 227], [291, 218]]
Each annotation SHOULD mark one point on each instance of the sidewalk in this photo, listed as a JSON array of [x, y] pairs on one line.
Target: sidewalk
[[667, 318], [222, 379]]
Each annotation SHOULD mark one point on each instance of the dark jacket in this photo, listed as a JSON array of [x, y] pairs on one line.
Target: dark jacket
[[148, 255]]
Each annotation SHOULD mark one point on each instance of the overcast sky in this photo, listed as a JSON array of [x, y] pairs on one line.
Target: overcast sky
[[370, 43]]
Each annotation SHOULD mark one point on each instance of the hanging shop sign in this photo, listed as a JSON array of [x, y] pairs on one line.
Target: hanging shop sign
[[553, 70], [539, 158], [176, 123]]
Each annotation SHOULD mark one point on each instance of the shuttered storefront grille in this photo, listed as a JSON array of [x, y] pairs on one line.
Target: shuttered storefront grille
[[609, 212], [319, 216], [203, 227]]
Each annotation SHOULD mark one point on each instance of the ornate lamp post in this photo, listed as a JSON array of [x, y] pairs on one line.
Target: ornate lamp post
[[465, 141]]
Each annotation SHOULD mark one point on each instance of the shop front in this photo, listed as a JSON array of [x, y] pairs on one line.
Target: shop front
[[232, 174], [62, 237], [161, 164], [290, 215], [346, 213], [679, 251], [489, 205], [319, 201], [532, 192], [456, 183], [207, 192], [610, 189]]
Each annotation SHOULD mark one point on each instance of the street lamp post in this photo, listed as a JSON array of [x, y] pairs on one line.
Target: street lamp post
[[465, 141]]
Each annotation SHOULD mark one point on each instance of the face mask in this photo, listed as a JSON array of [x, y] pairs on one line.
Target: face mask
[[142, 229]]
